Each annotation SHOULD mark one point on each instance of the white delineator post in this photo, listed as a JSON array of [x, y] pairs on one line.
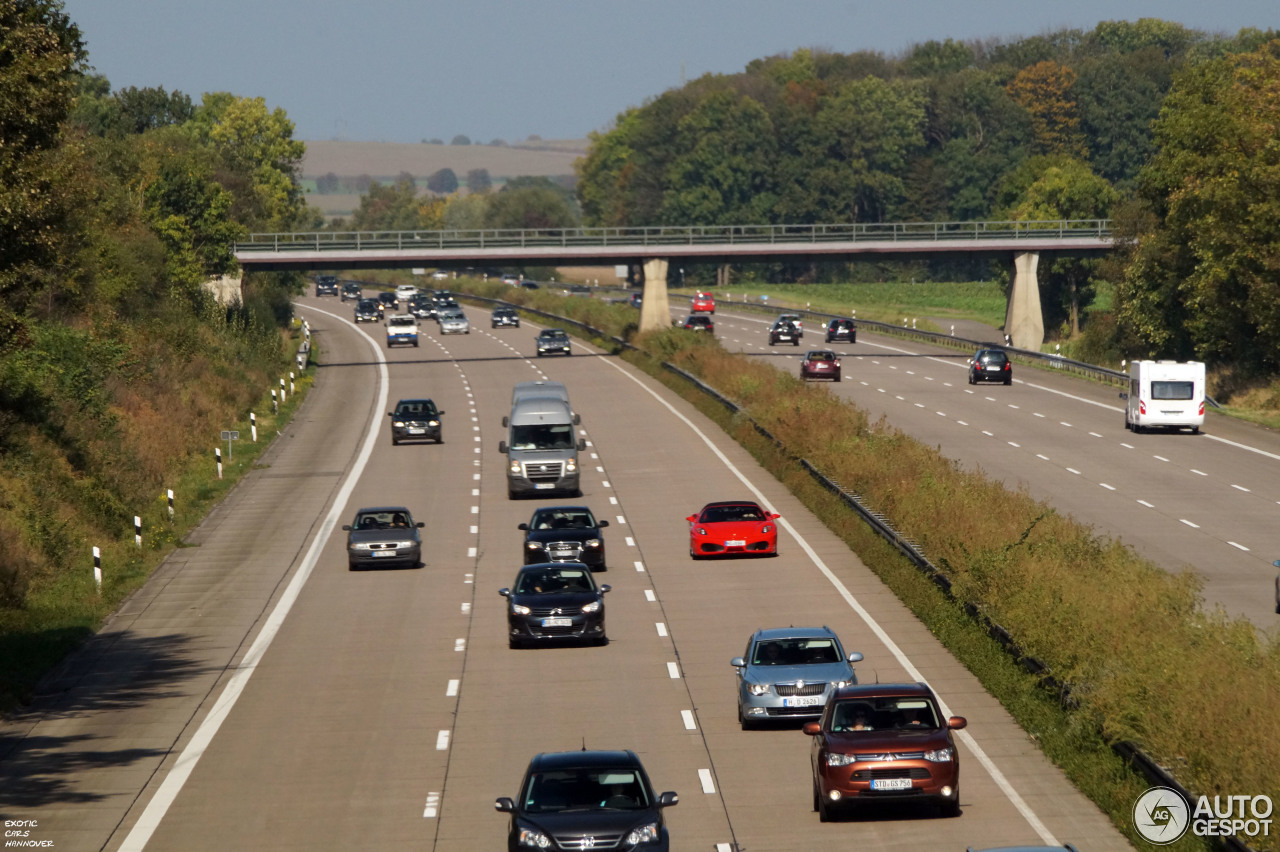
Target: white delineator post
[[97, 569], [169, 494], [137, 531], [217, 454], [253, 426]]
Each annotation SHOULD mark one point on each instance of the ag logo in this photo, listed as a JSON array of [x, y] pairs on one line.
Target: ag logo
[[1161, 815]]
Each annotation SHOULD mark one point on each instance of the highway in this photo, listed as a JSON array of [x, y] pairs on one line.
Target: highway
[[1209, 503], [258, 695]]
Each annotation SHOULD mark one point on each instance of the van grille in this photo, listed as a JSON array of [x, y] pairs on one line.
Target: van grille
[[548, 471]]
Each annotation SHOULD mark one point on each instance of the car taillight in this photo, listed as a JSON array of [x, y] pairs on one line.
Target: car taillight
[[1202, 408], [1008, 366], [1142, 407]]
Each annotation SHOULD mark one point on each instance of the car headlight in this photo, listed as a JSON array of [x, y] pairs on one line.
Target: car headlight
[[402, 545], [533, 545], [591, 542], [359, 545], [433, 422], [515, 467], [702, 531], [399, 424], [536, 839], [570, 466], [517, 609], [758, 688], [841, 683], [766, 529], [940, 755], [644, 834], [841, 759], [594, 606]]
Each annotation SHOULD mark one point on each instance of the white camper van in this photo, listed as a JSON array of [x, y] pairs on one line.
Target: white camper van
[[1165, 395]]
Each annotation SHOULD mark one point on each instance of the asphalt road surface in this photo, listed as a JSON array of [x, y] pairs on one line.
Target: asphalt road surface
[[258, 695]]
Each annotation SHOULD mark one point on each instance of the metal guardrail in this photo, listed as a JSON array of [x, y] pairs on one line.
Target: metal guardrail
[[914, 232]]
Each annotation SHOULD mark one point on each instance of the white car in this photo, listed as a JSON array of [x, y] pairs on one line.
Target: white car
[[405, 292], [794, 319], [440, 275], [453, 321]]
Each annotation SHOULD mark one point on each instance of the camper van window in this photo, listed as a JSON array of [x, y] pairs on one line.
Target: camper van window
[[1171, 390], [558, 437]]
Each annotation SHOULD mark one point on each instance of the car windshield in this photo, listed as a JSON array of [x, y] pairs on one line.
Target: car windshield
[[882, 714], [795, 652], [402, 321], [554, 581], [383, 520], [540, 437], [416, 408], [562, 519], [584, 789], [729, 514], [553, 332], [368, 305]]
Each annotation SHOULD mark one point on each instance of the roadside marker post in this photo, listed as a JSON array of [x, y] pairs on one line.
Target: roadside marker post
[[137, 531], [217, 454], [97, 569]]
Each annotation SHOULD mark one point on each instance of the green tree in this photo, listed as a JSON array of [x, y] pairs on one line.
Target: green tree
[[443, 181], [460, 139], [529, 207], [388, 207], [1203, 277], [478, 180]]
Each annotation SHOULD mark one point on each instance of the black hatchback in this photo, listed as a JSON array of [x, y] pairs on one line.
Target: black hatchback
[[505, 317], [587, 800], [551, 601], [990, 365], [565, 534], [842, 330], [367, 311]]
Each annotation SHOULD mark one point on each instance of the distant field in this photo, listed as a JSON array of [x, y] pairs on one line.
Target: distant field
[[386, 160]]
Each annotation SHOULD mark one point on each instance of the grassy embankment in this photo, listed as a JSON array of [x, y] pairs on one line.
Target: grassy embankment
[[76, 479], [1143, 660]]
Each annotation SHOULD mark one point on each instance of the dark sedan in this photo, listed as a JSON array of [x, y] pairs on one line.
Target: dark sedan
[[565, 534], [553, 340], [698, 322], [367, 311], [388, 301], [422, 307], [587, 800], [326, 285], [351, 290], [552, 601], [505, 317], [383, 535], [416, 420]]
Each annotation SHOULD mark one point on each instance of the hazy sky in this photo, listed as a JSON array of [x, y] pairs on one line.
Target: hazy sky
[[407, 70]]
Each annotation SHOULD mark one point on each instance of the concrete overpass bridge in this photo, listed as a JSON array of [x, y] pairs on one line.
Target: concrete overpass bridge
[[1020, 243]]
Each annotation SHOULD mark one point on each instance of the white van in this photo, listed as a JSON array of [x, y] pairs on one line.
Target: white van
[[1165, 395], [542, 453]]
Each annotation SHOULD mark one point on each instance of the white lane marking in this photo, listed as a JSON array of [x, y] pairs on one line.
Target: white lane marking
[[1188, 523], [673, 671], [639, 566], [1073, 470], [1241, 488], [599, 469], [631, 542], [919, 405], [459, 644], [988, 434], [595, 456], [1037, 414], [662, 628], [1065, 423], [1095, 435], [940, 413], [650, 596], [466, 607], [477, 449], [898, 397], [1012, 444], [1108, 487], [1148, 505], [471, 554], [1011, 405], [240, 674], [1039, 456], [475, 492], [724, 847], [621, 519], [475, 510], [606, 484], [1160, 458], [1239, 546], [689, 723], [962, 423], [433, 806], [442, 741], [708, 785], [475, 476], [474, 529], [613, 501], [1126, 446], [451, 691], [1201, 472], [912, 672]]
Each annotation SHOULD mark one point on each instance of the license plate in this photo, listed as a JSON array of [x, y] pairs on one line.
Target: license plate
[[557, 622], [784, 337], [378, 553], [735, 543], [993, 369], [891, 784], [804, 701], [544, 485], [413, 431]]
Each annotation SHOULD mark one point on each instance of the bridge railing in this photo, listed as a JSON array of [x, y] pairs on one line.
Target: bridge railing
[[893, 232]]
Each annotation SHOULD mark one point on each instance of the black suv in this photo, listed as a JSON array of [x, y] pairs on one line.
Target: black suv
[[990, 365], [587, 800], [326, 285], [505, 317]]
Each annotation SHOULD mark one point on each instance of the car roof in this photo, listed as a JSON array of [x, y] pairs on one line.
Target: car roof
[[575, 759], [883, 690], [373, 509], [562, 509], [823, 632], [732, 503], [416, 399]]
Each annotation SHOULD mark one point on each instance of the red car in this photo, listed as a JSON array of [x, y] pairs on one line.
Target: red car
[[820, 364], [704, 302], [733, 526]]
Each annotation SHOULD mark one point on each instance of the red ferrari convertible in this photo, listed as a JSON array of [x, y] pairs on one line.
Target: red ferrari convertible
[[733, 526]]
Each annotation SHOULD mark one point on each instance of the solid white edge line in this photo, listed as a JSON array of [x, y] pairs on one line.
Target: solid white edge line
[[173, 782], [996, 775]]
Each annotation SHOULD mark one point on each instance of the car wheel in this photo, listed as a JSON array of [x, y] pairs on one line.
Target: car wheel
[[601, 641], [351, 566], [513, 643], [439, 439], [837, 377], [853, 339], [1008, 381], [951, 808], [815, 798], [826, 811], [394, 442], [972, 380], [795, 343]]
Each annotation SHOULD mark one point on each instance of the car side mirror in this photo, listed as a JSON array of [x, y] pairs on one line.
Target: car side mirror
[[955, 723], [506, 593], [577, 419], [347, 527], [582, 445], [606, 588], [1124, 395], [737, 662], [602, 524], [391, 414], [502, 447], [668, 799], [812, 728], [420, 524], [691, 518], [505, 805], [505, 419], [774, 515], [522, 526], [439, 414], [855, 657]]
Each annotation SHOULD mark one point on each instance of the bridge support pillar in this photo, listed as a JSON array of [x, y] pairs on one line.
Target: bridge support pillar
[[655, 313], [1023, 320]]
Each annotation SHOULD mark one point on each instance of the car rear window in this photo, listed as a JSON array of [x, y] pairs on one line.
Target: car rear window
[[993, 357]]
